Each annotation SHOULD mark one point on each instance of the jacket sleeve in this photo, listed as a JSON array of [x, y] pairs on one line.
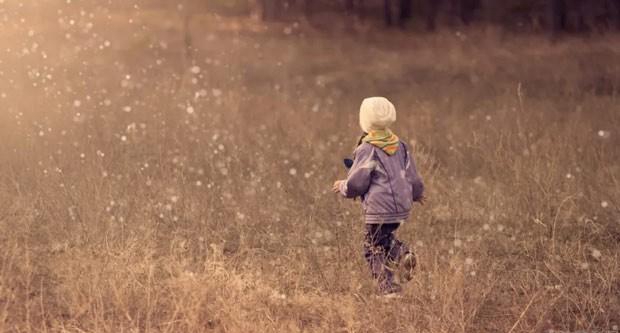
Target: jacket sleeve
[[417, 185], [358, 179]]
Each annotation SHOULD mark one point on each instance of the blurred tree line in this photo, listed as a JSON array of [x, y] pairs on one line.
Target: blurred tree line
[[536, 15]]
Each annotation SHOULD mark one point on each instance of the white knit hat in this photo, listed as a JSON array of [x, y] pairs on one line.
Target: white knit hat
[[376, 113]]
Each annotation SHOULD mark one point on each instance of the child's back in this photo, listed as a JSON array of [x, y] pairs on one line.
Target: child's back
[[388, 184]]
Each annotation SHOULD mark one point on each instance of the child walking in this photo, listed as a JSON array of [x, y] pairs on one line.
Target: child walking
[[384, 176]]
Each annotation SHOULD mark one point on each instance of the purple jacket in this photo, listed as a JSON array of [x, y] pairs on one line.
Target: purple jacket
[[388, 185]]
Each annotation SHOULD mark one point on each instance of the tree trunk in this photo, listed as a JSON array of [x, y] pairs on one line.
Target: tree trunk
[[308, 8], [558, 13], [406, 11], [466, 10], [387, 9], [271, 9], [431, 15], [584, 16], [349, 7], [616, 12]]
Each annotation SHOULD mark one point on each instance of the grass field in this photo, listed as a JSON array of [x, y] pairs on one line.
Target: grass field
[[150, 187]]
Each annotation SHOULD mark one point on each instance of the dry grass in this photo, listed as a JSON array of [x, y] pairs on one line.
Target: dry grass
[[120, 211]]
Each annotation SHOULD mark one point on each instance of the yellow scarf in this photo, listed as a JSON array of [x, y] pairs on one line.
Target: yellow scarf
[[383, 139]]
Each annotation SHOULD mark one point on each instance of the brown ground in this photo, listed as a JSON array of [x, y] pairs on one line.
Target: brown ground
[[138, 193]]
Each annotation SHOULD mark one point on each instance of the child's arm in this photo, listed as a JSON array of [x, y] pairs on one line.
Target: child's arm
[[417, 185], [358, 179]]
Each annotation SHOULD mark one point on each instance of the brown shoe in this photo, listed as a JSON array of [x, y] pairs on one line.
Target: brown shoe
[[408, 263]]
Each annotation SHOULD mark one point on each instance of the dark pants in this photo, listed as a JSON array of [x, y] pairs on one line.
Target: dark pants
[[383, 251]]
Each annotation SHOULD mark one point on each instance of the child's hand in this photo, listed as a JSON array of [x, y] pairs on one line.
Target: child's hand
[[336, 186], [422, 200]]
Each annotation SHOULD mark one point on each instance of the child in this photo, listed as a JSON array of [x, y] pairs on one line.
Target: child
[[384, 175]]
